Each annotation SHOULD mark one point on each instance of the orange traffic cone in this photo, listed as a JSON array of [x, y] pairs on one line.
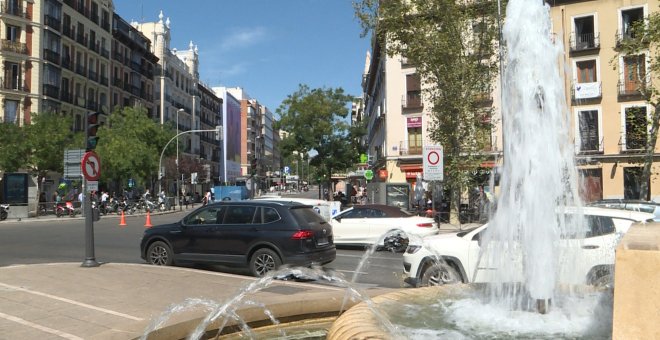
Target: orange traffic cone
[[148, 223], [122, 221]]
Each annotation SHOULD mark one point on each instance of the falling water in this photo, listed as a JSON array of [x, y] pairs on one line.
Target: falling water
[[539, 173]]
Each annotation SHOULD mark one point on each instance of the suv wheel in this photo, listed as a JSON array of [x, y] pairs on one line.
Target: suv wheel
[[159, 254], [439, 274], [263, 261]]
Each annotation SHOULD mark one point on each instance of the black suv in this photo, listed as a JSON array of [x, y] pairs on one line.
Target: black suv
[[261, 235]]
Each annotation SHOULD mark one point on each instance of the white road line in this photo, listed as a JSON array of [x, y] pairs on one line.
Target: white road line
[[54, 297], [39, 327], [350, 271]]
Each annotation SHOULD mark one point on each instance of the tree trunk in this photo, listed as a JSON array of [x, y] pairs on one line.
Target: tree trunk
[[650, 150]]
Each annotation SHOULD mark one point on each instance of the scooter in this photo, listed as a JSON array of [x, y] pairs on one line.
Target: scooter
[[4, 211], [65, 209]]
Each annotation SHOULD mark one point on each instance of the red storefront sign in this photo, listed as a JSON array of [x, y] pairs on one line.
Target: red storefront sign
[[414, 122]]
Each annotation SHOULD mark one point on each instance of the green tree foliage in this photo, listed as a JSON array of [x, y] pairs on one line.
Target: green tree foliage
[[14, 151], [644, 36], [316, 119], [48, 136], [130, 145], [453, 47]]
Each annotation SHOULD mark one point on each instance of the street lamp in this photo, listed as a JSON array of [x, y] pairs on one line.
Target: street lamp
[[178, 187]]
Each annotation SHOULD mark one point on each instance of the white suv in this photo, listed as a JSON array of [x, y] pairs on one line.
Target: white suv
[[459, 251]]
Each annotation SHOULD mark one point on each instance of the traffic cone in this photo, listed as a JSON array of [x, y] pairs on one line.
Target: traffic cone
[[122, 221], [148, 223]]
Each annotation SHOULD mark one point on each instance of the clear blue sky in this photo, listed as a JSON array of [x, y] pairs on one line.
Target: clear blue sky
[[267, 47]]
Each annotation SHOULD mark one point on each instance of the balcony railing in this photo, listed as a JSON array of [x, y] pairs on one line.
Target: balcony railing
[[12, 9], [585, 41], [93, 76], [104, 52], [53, 22], [117, 82], [80, 69], [14, 46], [592, 145], [586, 91], [52, 91], [52, 56], [81, 39], [66, 62], [104, 80], [409, 150], [411, 102], [67, 97], [632, 89], [13, 84], [623, 36], [68, 32]]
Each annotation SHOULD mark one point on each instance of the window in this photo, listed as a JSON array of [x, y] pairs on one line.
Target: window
[[599, 226], [635, 127], [586, 71], [270, 215], [591, 184], [413, 91], [588, 129], [11, 111], [632, 182], [239, 215], [12, 76], [628, 19], [585, 36], [415, 141], [204, 216], [634, 72], [12, 33]]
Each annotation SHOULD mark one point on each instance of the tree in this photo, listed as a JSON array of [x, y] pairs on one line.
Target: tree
[[14, 151], [48, 136], [642, 129], [130, 146], [452, 45], [316, 119]]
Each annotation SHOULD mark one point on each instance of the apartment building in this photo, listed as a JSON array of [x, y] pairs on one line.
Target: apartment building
[[19, 85], [210, 117], [398, 119], [133, 66], [602, 88]]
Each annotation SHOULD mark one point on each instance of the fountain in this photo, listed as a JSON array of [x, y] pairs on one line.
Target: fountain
[[523, 300]]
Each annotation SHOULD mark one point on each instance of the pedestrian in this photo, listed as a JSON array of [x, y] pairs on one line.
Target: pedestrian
[[207, 198]]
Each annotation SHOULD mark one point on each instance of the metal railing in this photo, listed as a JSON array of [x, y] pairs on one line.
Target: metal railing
[[584, 41]]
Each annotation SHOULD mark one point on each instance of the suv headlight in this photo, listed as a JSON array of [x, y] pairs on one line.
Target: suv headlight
[[412, 248]]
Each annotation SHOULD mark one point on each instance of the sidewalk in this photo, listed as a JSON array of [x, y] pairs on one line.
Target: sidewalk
[[119, 301]]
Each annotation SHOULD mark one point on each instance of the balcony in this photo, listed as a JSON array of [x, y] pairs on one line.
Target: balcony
[[622, 37], [91, 105], [81, 39], [80, 101], [590, 146], [117, 82], [14, 46], [586, 92], [52, 91], [52, 56], [53, 22], [409, 150], [93, 76], [584, 42], [104, 80], [118, 56], [7, 7], [632, 89], [80, 69], [95, 46], [68, 32], [13, 84], [411, 101], [104, 52], [67, 97]]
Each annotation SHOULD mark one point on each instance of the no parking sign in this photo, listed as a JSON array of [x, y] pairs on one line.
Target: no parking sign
[[433, 164]]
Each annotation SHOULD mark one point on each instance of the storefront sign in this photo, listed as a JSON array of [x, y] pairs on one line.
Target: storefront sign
[[413, 174], [414, 122]]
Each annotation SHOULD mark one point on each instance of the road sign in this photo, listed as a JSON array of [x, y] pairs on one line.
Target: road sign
[[433, 164], [91, 166], [92, 186], [72, 163], [287, 170], [369, 175]]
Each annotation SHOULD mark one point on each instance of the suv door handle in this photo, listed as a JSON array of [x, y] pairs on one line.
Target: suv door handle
[[590, 246]]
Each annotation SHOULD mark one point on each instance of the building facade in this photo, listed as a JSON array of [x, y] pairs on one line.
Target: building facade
[[602, 88]]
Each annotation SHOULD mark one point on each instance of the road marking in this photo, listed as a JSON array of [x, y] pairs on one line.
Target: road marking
[[350, 271], [39, 327], [81, 304]]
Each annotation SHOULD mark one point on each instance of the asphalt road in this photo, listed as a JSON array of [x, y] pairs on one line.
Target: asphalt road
[[63, 240]]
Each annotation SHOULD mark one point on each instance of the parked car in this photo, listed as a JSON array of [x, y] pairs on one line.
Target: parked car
[[367, 224], [633, 205], [258, 235], [592, 255], [326, 209]]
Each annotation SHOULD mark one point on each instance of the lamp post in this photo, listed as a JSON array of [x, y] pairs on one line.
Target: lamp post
[[178, 187]]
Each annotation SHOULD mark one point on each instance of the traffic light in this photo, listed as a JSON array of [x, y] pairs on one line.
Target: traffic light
[[218, 132], [93, 124], [253, 166]]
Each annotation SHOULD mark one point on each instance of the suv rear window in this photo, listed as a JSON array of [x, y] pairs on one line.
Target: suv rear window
[[306, 215]]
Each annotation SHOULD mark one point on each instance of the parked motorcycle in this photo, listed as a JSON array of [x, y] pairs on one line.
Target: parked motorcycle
[[4, 211], [66, 208]]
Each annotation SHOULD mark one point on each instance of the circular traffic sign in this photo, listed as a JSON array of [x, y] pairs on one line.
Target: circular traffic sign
[[91, 166], [433, 157]]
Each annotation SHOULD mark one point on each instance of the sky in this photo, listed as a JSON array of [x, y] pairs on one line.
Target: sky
[[267, 47]]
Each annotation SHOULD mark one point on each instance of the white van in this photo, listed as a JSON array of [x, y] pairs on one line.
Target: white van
[[325, 208]]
